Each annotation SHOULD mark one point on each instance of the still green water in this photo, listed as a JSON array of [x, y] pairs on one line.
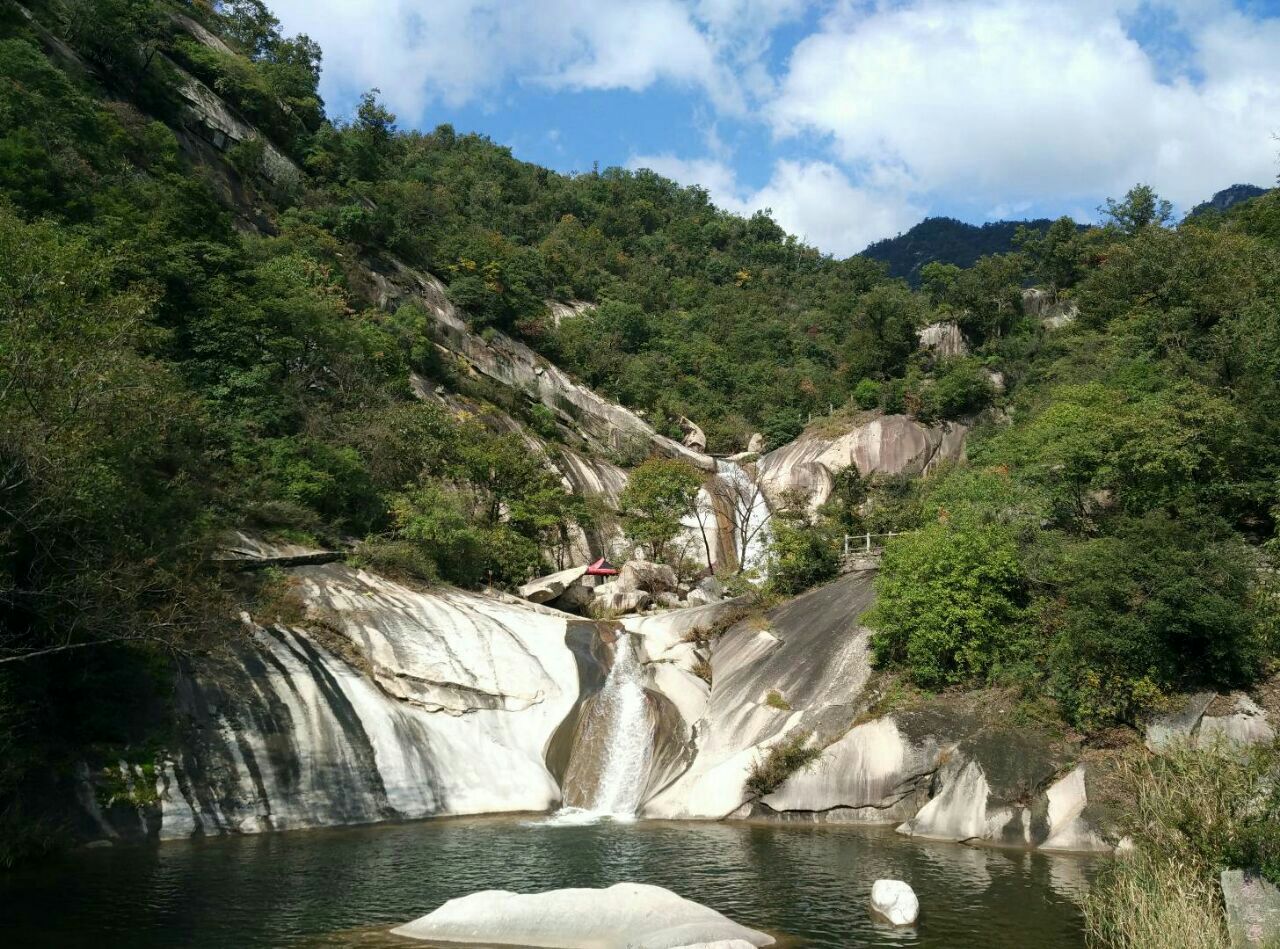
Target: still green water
[[806, 884]]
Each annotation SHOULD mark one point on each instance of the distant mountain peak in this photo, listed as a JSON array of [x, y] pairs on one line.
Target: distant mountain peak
[[1227, 198]]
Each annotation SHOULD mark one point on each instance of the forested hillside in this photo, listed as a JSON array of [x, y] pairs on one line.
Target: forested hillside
[[191, 339], [945, 240]]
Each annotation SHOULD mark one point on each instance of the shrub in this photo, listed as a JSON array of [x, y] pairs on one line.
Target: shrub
[[951, 603], [866, 394], [801, 555], [788, 756], [774, 699]]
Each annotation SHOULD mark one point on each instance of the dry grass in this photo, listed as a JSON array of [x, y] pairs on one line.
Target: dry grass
[[782, 760], [1196, 813], [1147, 902], [702, 669]]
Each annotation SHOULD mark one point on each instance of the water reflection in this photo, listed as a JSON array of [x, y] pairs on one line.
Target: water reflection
[[345, 887]]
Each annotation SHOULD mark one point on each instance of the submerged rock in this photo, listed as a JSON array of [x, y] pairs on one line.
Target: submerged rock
[[895, 902], [624, 916]]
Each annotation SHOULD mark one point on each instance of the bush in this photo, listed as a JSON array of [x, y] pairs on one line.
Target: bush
[[1157, 606], [866, 394], [782, 760], [801, 555], [951, 603]]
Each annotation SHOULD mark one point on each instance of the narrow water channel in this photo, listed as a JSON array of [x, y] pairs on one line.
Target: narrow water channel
[[807, 884]]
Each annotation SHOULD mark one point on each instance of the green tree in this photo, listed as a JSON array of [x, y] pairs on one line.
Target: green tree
[[951, 603], [659, 494], [1141, 207]]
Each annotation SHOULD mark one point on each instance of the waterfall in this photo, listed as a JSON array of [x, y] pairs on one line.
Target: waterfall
[[749, 510], [623, 706], [619, 736]]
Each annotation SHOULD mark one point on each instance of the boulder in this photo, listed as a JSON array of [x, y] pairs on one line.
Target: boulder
[[545, 589], [756, 444], [712, 587], [623, 601], [648, 576], [1253, 910], [694, 437], [670, 600], [895, 902], [1165, 730], [1244, 724], [943, 339], [624, 916], [700, 597]]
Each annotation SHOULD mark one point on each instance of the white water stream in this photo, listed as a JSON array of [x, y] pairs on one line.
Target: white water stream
[[621, 710]]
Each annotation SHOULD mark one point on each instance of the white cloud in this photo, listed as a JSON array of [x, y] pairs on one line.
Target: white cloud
[[814, 200], [455, 51], [1007, 101]]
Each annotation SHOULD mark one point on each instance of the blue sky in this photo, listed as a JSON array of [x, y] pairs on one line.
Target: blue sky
[[851, 120]]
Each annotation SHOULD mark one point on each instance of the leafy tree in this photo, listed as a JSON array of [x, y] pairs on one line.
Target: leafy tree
[[1158, 605], [1141, 207], [951, 603], [659, 494], [1056, 254]]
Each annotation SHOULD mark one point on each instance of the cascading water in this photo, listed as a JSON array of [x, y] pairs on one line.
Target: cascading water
[[622, 728], [623, 705]]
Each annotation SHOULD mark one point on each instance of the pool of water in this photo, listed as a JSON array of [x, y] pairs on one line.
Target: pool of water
[[807, 884]]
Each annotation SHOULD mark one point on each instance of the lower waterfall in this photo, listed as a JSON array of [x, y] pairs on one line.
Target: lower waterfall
[[621, 724]]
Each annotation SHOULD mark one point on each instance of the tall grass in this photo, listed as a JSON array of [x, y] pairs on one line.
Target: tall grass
[[1196, 812]]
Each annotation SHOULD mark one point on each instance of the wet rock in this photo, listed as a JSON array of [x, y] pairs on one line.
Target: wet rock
[[895, 902], [624, 916]]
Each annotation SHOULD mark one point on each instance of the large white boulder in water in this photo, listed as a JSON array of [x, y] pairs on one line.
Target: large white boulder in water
[[895, 902], [624, 916]]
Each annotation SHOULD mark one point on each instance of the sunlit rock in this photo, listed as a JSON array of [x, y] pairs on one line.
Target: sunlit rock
[[943, 339], [624, 916], [895, 902]]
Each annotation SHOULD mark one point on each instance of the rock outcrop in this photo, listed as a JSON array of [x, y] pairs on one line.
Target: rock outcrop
[[875, 444], [624, 916], [416, 704], [1206, 718], [944, 339], [1051, 311]]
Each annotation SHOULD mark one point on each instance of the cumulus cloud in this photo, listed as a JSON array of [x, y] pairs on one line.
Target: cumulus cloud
[[1007, 101], [458, 51], [813, 199]]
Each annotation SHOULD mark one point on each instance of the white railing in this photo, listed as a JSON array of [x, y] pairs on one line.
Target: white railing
[[862, 543]]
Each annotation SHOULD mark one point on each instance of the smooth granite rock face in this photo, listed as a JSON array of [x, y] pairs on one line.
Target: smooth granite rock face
[[623, 916], [1242, 721], [943, 339], [415, 704], [889, 445], [894, 902], [811, 651]]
